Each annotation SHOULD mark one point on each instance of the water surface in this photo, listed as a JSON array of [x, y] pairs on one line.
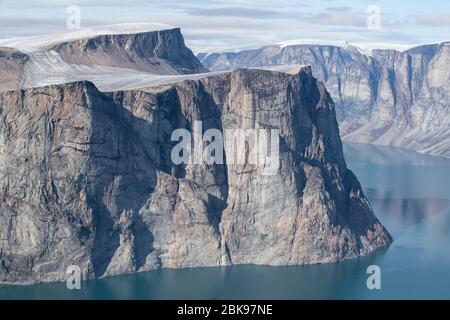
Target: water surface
[[409, 193]]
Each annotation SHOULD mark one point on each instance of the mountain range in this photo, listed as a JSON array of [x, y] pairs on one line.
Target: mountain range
[[87, 177], [386, 97]]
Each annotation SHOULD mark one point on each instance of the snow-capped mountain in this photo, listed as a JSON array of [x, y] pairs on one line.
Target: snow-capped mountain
[[113, 57]]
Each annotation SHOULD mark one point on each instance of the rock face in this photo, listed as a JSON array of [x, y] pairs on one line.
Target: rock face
[[11, 65], [87, 179], [388, 97], [110, 60], [159, 52]]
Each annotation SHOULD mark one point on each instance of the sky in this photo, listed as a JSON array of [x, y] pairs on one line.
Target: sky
[[210, 25]]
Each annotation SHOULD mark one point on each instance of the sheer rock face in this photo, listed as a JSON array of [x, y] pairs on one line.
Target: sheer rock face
[[390, 98], [87, 180], [158, 52], [11, 65]]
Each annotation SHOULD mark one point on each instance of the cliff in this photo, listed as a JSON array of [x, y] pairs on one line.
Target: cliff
[[87, 179], [386, 97], [11, 65], [159, 52]]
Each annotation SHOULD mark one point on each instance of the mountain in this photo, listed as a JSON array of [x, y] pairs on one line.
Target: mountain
[[111, 56], [386, 97], [87, 179], [159, 52]]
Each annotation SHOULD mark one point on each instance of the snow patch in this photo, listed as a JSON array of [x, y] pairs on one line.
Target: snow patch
[[47, 68]]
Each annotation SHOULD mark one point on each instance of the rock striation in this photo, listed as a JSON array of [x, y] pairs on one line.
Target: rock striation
[[158, 52], [386, 97], [12, 63], [87, 179]]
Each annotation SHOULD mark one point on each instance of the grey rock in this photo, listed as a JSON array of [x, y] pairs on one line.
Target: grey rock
[[158, 52], [87, 180], [388, 97], [12, 63]]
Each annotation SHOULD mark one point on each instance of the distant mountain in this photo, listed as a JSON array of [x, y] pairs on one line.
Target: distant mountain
[[102, 55], [159, 52], [386, 97]]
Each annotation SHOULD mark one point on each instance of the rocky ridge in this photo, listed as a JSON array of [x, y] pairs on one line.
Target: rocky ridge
[[87, 180], [110, 60], [386, 97]]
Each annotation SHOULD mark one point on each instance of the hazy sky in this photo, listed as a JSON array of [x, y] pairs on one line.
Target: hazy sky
[[219, 24]]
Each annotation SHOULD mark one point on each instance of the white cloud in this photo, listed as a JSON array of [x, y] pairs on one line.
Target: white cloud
[[440, 20]]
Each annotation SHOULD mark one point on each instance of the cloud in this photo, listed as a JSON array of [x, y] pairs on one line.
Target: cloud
[[338, 9], [13, 27], [337, 16], [441, 20], [239, 12]]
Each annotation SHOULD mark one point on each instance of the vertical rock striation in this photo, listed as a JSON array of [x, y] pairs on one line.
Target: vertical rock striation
[[11, 65], [159, 52], [87, 179], [387, 97]]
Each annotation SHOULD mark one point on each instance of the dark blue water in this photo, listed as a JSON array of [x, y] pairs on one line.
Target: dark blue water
[[410, 194]]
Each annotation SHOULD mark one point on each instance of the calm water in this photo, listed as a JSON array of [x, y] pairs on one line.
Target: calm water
[[410, 194]]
